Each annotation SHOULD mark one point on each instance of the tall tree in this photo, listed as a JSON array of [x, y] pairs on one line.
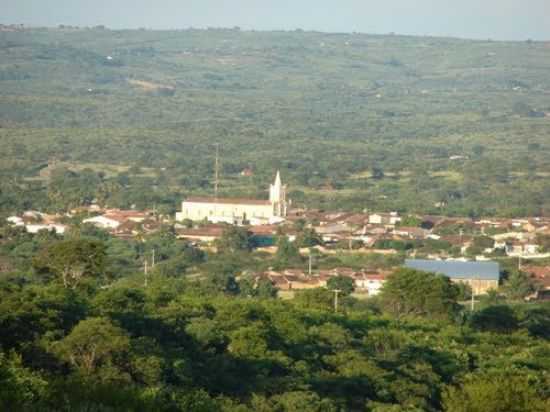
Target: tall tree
[[94, 342], [343, 283], [413, 292], [72, 260], [287, 253], [518, 285]]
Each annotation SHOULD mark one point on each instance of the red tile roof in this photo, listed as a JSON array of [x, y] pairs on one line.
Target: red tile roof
[[541, 274], [202, 231], [263, 229]]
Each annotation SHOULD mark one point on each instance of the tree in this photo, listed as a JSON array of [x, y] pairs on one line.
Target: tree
[[318, 298], [537, 321], [234, 239], [20, 388], [544, 242], [287, 253], [302, 401], [464, 291], [518, 285], [377, 173], [504, 392], [343, 283], [498, 319], [413, 292], [265, 289], [72, 260], [251, 287], [410, 221], [94, 342], [308, 238], [479, 245]]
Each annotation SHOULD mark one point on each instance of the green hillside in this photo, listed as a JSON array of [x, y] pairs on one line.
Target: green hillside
[[353, 121]]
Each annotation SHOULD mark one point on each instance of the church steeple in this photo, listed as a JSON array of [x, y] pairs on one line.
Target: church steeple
[[278, 179], [277, 196]]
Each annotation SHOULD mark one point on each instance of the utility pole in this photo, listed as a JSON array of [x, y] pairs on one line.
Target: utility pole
[[145, 270], [472, 302], [336, 292], [217, 170]]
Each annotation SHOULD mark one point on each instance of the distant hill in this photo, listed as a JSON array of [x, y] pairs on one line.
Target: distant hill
[[449, 122]]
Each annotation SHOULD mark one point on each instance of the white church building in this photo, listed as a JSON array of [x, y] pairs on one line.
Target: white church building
[[238, 211]]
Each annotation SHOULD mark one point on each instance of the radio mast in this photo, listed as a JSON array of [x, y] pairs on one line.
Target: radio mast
[[217, 171]]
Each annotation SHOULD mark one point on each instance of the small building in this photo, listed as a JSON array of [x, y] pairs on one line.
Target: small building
[[384, 219], [34, 222], [411, 232], [113, 218], [370, 282], [103, 222], [520, 249], [206, 234], [540, 274], [16, 221], [59, 229], [481, 276]]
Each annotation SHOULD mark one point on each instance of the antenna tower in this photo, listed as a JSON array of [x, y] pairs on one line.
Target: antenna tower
[[217, 171]]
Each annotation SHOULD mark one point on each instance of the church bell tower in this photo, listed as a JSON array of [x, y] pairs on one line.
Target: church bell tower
[[277, 196]]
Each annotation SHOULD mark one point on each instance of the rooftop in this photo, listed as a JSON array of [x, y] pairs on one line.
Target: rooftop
[[227, 201], [457, 269]]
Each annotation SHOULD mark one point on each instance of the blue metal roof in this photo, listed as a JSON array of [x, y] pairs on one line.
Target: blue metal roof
[[457, 269]]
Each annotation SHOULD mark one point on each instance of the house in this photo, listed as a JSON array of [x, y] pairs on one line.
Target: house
[[103, 222], [34, 222], [510, 235], [294, 279], [516, 248], [370, 282], [481, 276], [127, 229], [411, 232], [207, 233], [16, 221], [540, 274], [391, 218], [334, 228], [127, 215], [237, 211], [59, 229], [113, 218]]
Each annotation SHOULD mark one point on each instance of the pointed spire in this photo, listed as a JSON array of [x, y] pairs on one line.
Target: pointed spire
[[278, 179]]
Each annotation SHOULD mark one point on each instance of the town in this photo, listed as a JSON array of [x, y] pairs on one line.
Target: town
[[464, 249]]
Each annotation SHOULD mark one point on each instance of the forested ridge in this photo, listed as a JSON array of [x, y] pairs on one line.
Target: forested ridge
[[354, 121]]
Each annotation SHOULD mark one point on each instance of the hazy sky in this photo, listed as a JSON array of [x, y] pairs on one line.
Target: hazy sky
[[496, 19]]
